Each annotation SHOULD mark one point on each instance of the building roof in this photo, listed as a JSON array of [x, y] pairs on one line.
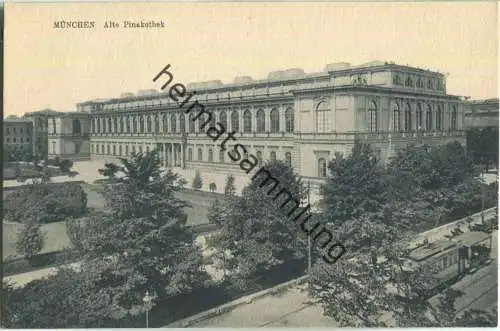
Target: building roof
[[16, 120], [424, 252], [471, 238], [289, 75]]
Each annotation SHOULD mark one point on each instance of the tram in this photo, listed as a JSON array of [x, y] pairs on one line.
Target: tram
[[449, 260]]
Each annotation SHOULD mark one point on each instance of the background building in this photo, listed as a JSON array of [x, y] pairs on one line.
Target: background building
[[17, 137], [481, 121], [68, 136], [301, 118]]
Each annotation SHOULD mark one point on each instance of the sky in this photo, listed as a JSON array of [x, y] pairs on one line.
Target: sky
[[54, 68]]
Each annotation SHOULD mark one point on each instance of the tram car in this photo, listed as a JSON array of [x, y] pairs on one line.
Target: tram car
[[450, 259]]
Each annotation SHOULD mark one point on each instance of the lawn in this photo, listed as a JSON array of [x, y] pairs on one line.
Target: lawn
[[57, 239]]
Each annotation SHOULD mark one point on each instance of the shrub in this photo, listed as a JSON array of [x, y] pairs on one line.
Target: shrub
[[45, 203], [212, 187], [197, 181], [30, 241], [65, 166]]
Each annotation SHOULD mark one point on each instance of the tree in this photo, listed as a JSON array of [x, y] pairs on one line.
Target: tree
[[256, 234], [144, 243], [212, 187], [30, 241], [356, 184], [75, 231], [57, 301], [229, 188], [197, 181]]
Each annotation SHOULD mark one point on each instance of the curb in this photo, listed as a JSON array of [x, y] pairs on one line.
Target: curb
[[186, 322]]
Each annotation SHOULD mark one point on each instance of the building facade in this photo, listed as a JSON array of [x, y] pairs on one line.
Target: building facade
[[17, 136], [301, 118], [481, 113], [68, 136]]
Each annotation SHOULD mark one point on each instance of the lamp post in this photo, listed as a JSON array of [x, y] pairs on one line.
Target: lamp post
[[147, 303]]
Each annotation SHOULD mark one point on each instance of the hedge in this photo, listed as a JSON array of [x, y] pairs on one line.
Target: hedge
[[45, 203]]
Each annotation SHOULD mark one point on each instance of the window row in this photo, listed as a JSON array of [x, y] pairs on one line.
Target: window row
[[21, 131], [15, 140], [419, 82], [124, 150], [425, 118], [176, 123]]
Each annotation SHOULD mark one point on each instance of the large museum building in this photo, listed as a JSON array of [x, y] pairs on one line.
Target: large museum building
[[301, 118]]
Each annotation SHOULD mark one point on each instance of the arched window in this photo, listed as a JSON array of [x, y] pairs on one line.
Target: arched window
[[439, 117], [157, 124], [289, 120], [102, 149], [323, 122], [135, 126], [407, 112], [148, 124], [210, 155], [104, 125], [98, 121], [258, 154], [190, 154], [77, 126], [396, 80], [372, 117], [200, 154], [428, 118], [191, 123], [108, 149], [419, 117], [114, 149], [420, 83], [126, 150], [141, 124], [429, 84], [321, 167], [221, 156], [247, 121], [261, 121], [203, 122], [165, 123], [115, 124], [182, 123], [212, 120], [133, 149], [121, 128], [275, 120], [223, 120], [409, 82], [454, 118], [395, 117], [91, 148], [173, 123], [235, 121], [110, 125], [273, 156], [120, 150], [140, 149], [127, 124], [288, 158]]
